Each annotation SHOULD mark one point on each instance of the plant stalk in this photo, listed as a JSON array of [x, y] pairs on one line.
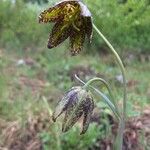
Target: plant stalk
[[122, 123]]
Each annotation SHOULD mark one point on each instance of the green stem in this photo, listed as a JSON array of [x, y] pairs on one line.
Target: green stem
[[107, 86], [124, 83]]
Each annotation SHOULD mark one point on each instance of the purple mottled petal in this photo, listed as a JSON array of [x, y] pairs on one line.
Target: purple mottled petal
[[67, 100], [71, 106], [72, 118], [59, 109], [67, 114], [83, 106], [74, 112], [88, 110]]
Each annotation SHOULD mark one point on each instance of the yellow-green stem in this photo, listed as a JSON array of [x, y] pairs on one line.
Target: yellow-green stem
[[124, 83]]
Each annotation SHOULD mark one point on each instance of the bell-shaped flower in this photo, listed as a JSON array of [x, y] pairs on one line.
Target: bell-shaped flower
[[76, 103], [72, 20]]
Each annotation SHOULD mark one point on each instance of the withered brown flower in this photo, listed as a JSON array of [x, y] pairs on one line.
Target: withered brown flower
[[76, 103], [72, 19]]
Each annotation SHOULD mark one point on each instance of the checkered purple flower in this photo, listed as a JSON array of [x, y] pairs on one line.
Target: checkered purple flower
[[76, 103]]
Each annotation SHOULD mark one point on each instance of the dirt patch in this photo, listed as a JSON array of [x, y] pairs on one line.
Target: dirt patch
[[16, 137], [136, 134]]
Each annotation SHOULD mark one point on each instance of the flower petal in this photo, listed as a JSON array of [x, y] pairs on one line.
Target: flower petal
[[72, 118], [67, 114], [77, 42], [75, 111], [77, 37], [54, 13], [88, 110], [64, 103], [71, 109], [60, 32], [88, 28], [84, 10], [51, 14], [58, 11]]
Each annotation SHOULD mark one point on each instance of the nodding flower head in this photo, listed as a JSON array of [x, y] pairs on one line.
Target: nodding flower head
[[72, 20], [76, 103]]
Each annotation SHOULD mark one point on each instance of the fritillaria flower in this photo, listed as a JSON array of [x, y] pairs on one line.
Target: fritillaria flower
[[72, 20], [76, 103]]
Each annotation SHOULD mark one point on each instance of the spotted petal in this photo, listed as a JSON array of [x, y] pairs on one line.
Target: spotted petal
[[59, 11], [88, 27], [73, 117], [88, 110], [74, 109], [53, 14], [76, 40], [69, 110], [65, 102], [60, 32]]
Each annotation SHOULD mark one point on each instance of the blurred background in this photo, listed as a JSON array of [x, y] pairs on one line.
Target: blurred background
[[30, 73]]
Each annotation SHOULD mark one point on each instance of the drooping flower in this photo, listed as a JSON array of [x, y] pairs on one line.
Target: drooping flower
[[76, 103], [72, 19]]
